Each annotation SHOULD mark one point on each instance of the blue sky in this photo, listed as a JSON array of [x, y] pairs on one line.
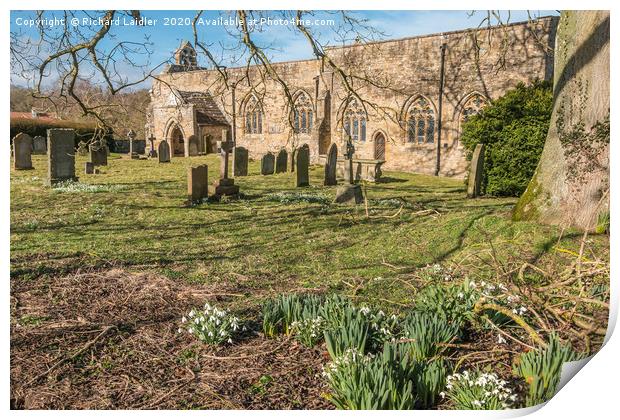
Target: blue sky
[[283, 43]]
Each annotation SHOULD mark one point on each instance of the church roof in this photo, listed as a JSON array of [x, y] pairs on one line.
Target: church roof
[[207, 111]]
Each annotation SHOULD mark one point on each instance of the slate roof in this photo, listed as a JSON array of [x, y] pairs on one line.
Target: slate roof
[[207, 111]]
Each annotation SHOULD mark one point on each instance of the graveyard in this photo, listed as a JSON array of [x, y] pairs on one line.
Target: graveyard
[[111, 263]]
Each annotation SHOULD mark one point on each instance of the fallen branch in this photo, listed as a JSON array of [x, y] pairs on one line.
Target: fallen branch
[[479, 307]]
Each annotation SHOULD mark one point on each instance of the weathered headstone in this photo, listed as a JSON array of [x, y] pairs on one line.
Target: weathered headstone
[[330, 165], [39, 145], [350, 192], [193, 145], [475, 172], [240, 161], [22, 151], [163, 151], [133, 153], [98, 155], [197, 183], [301, 166], [60, 155], [281, 161], [267, 164], [89, 168]]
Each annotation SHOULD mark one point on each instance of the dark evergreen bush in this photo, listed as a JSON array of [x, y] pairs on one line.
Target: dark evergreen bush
[[84, 131], [513, 128]]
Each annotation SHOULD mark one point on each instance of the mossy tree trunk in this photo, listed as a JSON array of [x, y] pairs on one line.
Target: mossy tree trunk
[[571, 184]]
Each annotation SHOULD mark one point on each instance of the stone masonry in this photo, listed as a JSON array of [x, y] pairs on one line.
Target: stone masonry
[[402, 127]]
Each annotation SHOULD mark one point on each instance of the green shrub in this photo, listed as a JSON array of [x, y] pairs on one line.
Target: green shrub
[[427, 331], [429, 380], [352, 332], [84, 131], [541, 369], [513, 128], [310, 318], [391, 379], [280, 313], [362, 382], [454, 302]]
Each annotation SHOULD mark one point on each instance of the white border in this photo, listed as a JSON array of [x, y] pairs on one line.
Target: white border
[[592, 394]]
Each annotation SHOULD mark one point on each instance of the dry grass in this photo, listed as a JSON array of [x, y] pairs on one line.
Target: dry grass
[[108, 339]]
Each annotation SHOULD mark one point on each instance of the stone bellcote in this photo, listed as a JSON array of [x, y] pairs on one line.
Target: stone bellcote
[[186, 55]]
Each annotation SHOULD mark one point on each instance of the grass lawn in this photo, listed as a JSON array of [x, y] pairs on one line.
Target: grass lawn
[[276, 238]]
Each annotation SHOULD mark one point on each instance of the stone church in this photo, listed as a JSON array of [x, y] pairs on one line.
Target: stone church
[[386, 96]]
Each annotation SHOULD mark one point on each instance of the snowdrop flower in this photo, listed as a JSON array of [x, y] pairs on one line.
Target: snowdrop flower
[[501, 339], [183, 319]]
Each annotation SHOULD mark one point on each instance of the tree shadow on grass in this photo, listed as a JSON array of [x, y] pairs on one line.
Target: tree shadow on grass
[[389, 180]]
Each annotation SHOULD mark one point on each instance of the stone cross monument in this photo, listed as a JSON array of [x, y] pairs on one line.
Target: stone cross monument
[[131, 135], [225, 185], [152, 151]]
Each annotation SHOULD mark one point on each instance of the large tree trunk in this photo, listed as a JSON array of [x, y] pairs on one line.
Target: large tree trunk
[[571, 184]]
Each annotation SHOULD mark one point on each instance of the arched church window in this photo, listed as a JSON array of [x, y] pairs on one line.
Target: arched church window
[[253, 117], [354, 121], [472, 106], [420, 122], [302, 114]]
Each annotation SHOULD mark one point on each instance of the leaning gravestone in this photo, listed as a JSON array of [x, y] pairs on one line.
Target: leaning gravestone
[[281, 161], [267, 164], [330, 165], [61, 155], [22, 151], [301, 166], [475, 172], [39, 145], [197, 183], [240, 161], [163, 151], [98, 155]]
